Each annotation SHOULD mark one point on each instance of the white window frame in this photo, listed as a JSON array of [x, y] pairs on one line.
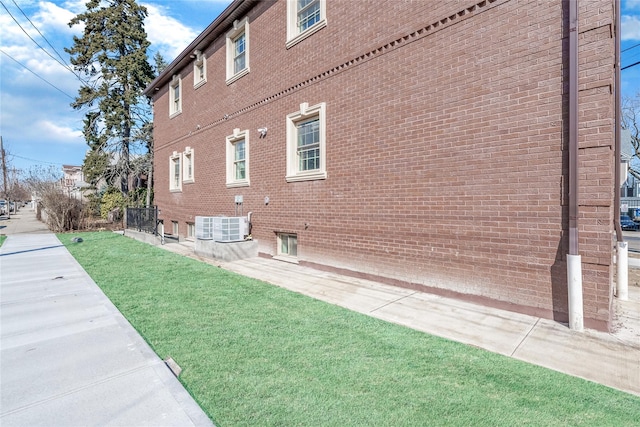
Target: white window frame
[[199, 64], [239, 27], [286, 256], [187, 160], [293, 166], [237, 136], [175, 185], [175, 228], [175, 106], [294, 35], [191, 231]]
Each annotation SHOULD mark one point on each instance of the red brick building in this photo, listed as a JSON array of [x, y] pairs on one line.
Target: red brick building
[[419, 143]]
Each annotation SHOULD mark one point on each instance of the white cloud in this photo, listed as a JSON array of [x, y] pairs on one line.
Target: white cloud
[[53, 18], [167, 34], [60, 133], [630, 27]]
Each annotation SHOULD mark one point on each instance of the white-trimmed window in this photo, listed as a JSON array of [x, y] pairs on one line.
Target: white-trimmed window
[[304, 17], [175, 172], [188, 165], [306, 143], [238, 51], [175, 228], [238, 159], [191, 230], [287, 245], [199, 69], [175, 96]]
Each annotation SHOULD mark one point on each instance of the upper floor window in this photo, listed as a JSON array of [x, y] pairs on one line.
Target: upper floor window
[[238, 51], [238, 159], [187, 169], [175, 172], [199, 69], [306, 143], [304, 17], [175, 96], [308, 14]]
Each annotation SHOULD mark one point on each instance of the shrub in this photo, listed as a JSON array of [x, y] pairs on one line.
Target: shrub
[[112, 206]]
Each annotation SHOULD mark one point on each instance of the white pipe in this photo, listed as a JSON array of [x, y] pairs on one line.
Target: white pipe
[[574, 282], [622, 281]]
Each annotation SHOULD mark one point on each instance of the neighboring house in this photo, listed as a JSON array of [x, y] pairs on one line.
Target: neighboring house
[[419, 143], [629, 184], [73, 181]]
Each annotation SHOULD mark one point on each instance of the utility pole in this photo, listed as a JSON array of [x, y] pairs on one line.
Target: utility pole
[[4, 176], [4, 169]]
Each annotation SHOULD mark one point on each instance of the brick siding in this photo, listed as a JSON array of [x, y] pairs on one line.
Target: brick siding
[[447, 145]]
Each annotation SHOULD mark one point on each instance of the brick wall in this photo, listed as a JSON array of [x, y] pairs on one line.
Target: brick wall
[[447, 145]]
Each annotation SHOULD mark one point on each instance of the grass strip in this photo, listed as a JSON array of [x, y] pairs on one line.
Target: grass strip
[[255, 354]]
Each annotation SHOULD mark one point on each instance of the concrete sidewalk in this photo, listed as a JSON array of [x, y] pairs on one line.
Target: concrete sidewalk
[[610, 359], [67, 355]]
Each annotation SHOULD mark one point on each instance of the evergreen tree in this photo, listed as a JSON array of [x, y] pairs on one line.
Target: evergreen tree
[[160, 63], [112, 57]]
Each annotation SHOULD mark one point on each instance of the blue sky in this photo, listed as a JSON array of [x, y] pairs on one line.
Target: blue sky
[[37, 124]]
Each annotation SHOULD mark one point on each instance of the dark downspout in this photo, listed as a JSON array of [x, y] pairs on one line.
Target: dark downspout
[[574, 261], [622, 247], [617, 119], [573, 127]]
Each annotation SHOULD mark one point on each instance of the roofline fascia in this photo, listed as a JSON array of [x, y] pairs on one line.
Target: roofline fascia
[[217, 27]]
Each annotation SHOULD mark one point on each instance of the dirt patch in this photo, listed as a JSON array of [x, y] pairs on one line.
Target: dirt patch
[[634, 275]]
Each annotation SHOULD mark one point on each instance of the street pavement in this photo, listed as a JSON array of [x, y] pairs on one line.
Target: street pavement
[[67, 355]]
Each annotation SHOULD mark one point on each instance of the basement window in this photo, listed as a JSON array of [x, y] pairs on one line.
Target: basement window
[[287, 246]]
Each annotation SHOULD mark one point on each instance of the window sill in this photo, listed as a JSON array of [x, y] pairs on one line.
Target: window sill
[[199, 84], [237, 76], [308, 32], [177, 113], [188, 181], [236, 184], [175, 190], [309, 176]]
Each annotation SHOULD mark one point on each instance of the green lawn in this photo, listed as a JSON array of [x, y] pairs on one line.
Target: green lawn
[[255, 354], [2, 239]]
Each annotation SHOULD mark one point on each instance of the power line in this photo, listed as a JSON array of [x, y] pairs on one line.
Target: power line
[[629, 48], [36, 161], [41, 35], [629, 66], [35, 74], [66, 67]]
